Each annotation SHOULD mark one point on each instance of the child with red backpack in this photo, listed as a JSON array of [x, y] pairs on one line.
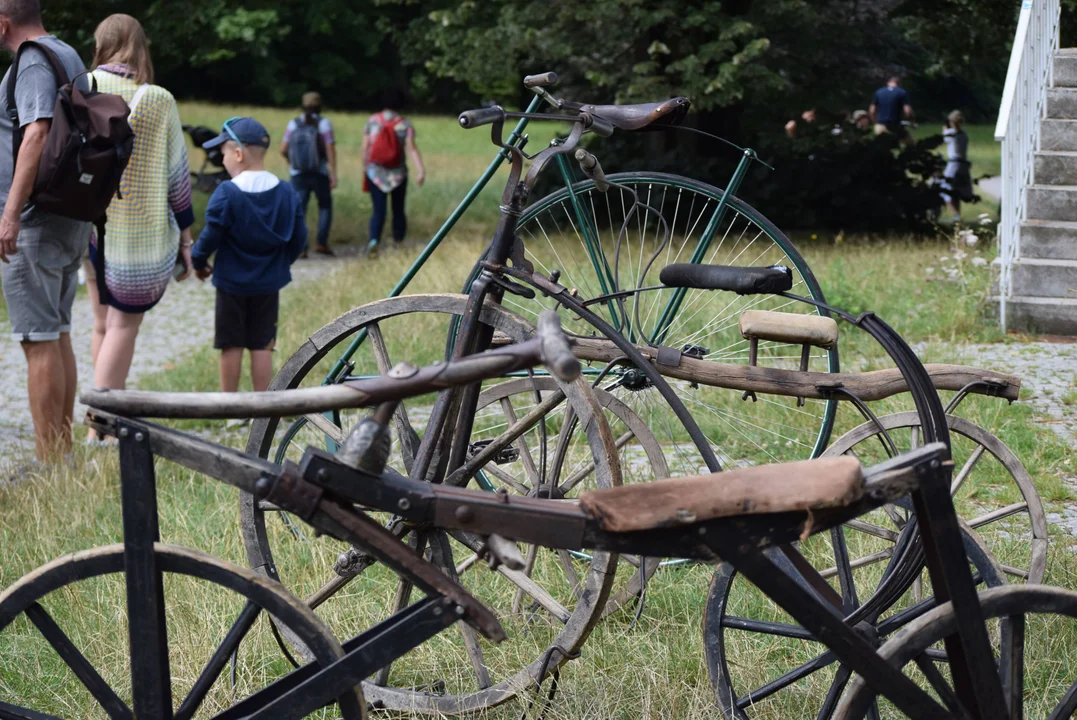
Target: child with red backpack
[[386, 136]]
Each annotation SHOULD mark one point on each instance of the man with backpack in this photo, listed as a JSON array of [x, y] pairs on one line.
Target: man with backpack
[[385, 137], [310, 148], [40, 251]]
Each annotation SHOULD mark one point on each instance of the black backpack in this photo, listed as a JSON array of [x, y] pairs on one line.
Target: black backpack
[[306, 149], [87, 149]]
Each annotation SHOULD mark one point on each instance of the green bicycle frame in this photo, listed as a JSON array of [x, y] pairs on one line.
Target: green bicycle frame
[[517, 133]]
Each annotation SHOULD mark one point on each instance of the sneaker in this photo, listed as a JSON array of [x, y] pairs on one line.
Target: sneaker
[[372, 247], [324, 250]]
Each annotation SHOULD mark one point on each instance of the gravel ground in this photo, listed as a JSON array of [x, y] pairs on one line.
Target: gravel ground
[[166, 336], [1048, 372]]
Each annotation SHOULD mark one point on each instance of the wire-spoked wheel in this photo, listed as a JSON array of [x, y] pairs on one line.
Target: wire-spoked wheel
[[563, 446], [65, 668], [603, 242]]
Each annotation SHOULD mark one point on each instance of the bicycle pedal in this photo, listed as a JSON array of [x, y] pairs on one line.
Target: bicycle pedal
[[505, 456]]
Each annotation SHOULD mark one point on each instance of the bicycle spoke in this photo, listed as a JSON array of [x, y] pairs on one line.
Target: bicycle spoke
[[529, 567], [870, 529], [763, 627], [326, 426], [403, 598], [570, 572], [939, 684], [999, 514], [441, 552], [793, 676], [966, 469], [526, 458], [86, 673], [409, 439], [218, 661], [1012, 664], [860, 562], [837, 687]]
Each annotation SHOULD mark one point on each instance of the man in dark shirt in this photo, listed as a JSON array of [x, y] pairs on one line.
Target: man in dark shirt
[[888, 108]]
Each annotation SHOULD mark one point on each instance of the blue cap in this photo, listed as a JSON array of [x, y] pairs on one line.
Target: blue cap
[[243, 130]]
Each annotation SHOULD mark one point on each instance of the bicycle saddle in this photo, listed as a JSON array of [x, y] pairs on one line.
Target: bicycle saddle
[[741, 280], [786, 487], [643, 116]]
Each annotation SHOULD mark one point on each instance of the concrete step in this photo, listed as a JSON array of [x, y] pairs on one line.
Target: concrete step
[[1049, 240], [1055, 168], [1058, 135], [1040, 316], [1062, 103], [1052, 202], [1036, 277], [1066, 68]]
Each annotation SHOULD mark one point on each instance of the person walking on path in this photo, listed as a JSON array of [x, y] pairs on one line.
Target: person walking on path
[[385, 167], [889, 107], [957, 177], [310, 148], [149, 221], [40, 252], [255, 225]]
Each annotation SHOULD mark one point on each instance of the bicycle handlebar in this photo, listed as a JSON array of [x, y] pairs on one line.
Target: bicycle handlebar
[[556, 354], [540, 80], [470, 119]]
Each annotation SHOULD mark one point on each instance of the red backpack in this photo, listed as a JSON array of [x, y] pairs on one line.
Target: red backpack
[[387, 151]]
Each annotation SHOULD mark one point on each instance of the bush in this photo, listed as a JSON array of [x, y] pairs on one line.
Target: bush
[[853, 182]]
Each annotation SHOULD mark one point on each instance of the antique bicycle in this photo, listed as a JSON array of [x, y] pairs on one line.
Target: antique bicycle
[[526, 440], [740, 517]]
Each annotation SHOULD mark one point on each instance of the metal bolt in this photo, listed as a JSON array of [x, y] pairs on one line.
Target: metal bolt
[[139, 437], [403, 504], [460, 610], [702, 531], [323, 475], [465, 514], [124, 432], [436, 611]]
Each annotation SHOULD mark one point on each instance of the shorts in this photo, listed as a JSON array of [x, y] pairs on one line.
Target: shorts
[[246, 321], [41, 280]]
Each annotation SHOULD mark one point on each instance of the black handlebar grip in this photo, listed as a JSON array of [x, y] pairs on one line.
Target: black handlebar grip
[[556, 353], [540, 80], [475, 118]]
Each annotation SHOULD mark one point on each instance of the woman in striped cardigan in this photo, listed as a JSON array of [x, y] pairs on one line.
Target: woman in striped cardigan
[[149, 221]]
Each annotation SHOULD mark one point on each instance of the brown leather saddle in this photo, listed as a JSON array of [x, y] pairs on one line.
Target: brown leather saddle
[[786, 487], [645, 116]]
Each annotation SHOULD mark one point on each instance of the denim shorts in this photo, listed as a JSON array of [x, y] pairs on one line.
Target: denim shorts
[[41, 280]]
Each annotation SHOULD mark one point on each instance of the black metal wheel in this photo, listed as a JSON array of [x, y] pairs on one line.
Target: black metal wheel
[[55, 614], [1029, 627]]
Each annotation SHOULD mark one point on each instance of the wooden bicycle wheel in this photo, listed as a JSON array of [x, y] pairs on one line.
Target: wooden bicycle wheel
[[548, 611], [640, 454], [992, 492], [1030, 626], [66, 668]]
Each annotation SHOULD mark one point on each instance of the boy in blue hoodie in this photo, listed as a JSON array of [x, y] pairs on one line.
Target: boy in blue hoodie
[[255, 224]]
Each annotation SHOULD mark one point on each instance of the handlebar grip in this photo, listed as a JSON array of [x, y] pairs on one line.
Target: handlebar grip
[[540, 80], [556, 353], [484, 116], [592, 169]]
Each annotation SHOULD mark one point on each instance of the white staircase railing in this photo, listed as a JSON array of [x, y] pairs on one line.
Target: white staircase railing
[[1024, 103]]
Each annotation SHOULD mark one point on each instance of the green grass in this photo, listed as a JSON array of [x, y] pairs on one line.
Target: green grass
[[652, 669]]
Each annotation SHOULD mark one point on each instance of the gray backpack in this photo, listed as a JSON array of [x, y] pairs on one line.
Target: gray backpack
[[306, 149]]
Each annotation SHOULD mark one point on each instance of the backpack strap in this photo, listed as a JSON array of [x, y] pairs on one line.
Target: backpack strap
[[62, 79], [138, 96]]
